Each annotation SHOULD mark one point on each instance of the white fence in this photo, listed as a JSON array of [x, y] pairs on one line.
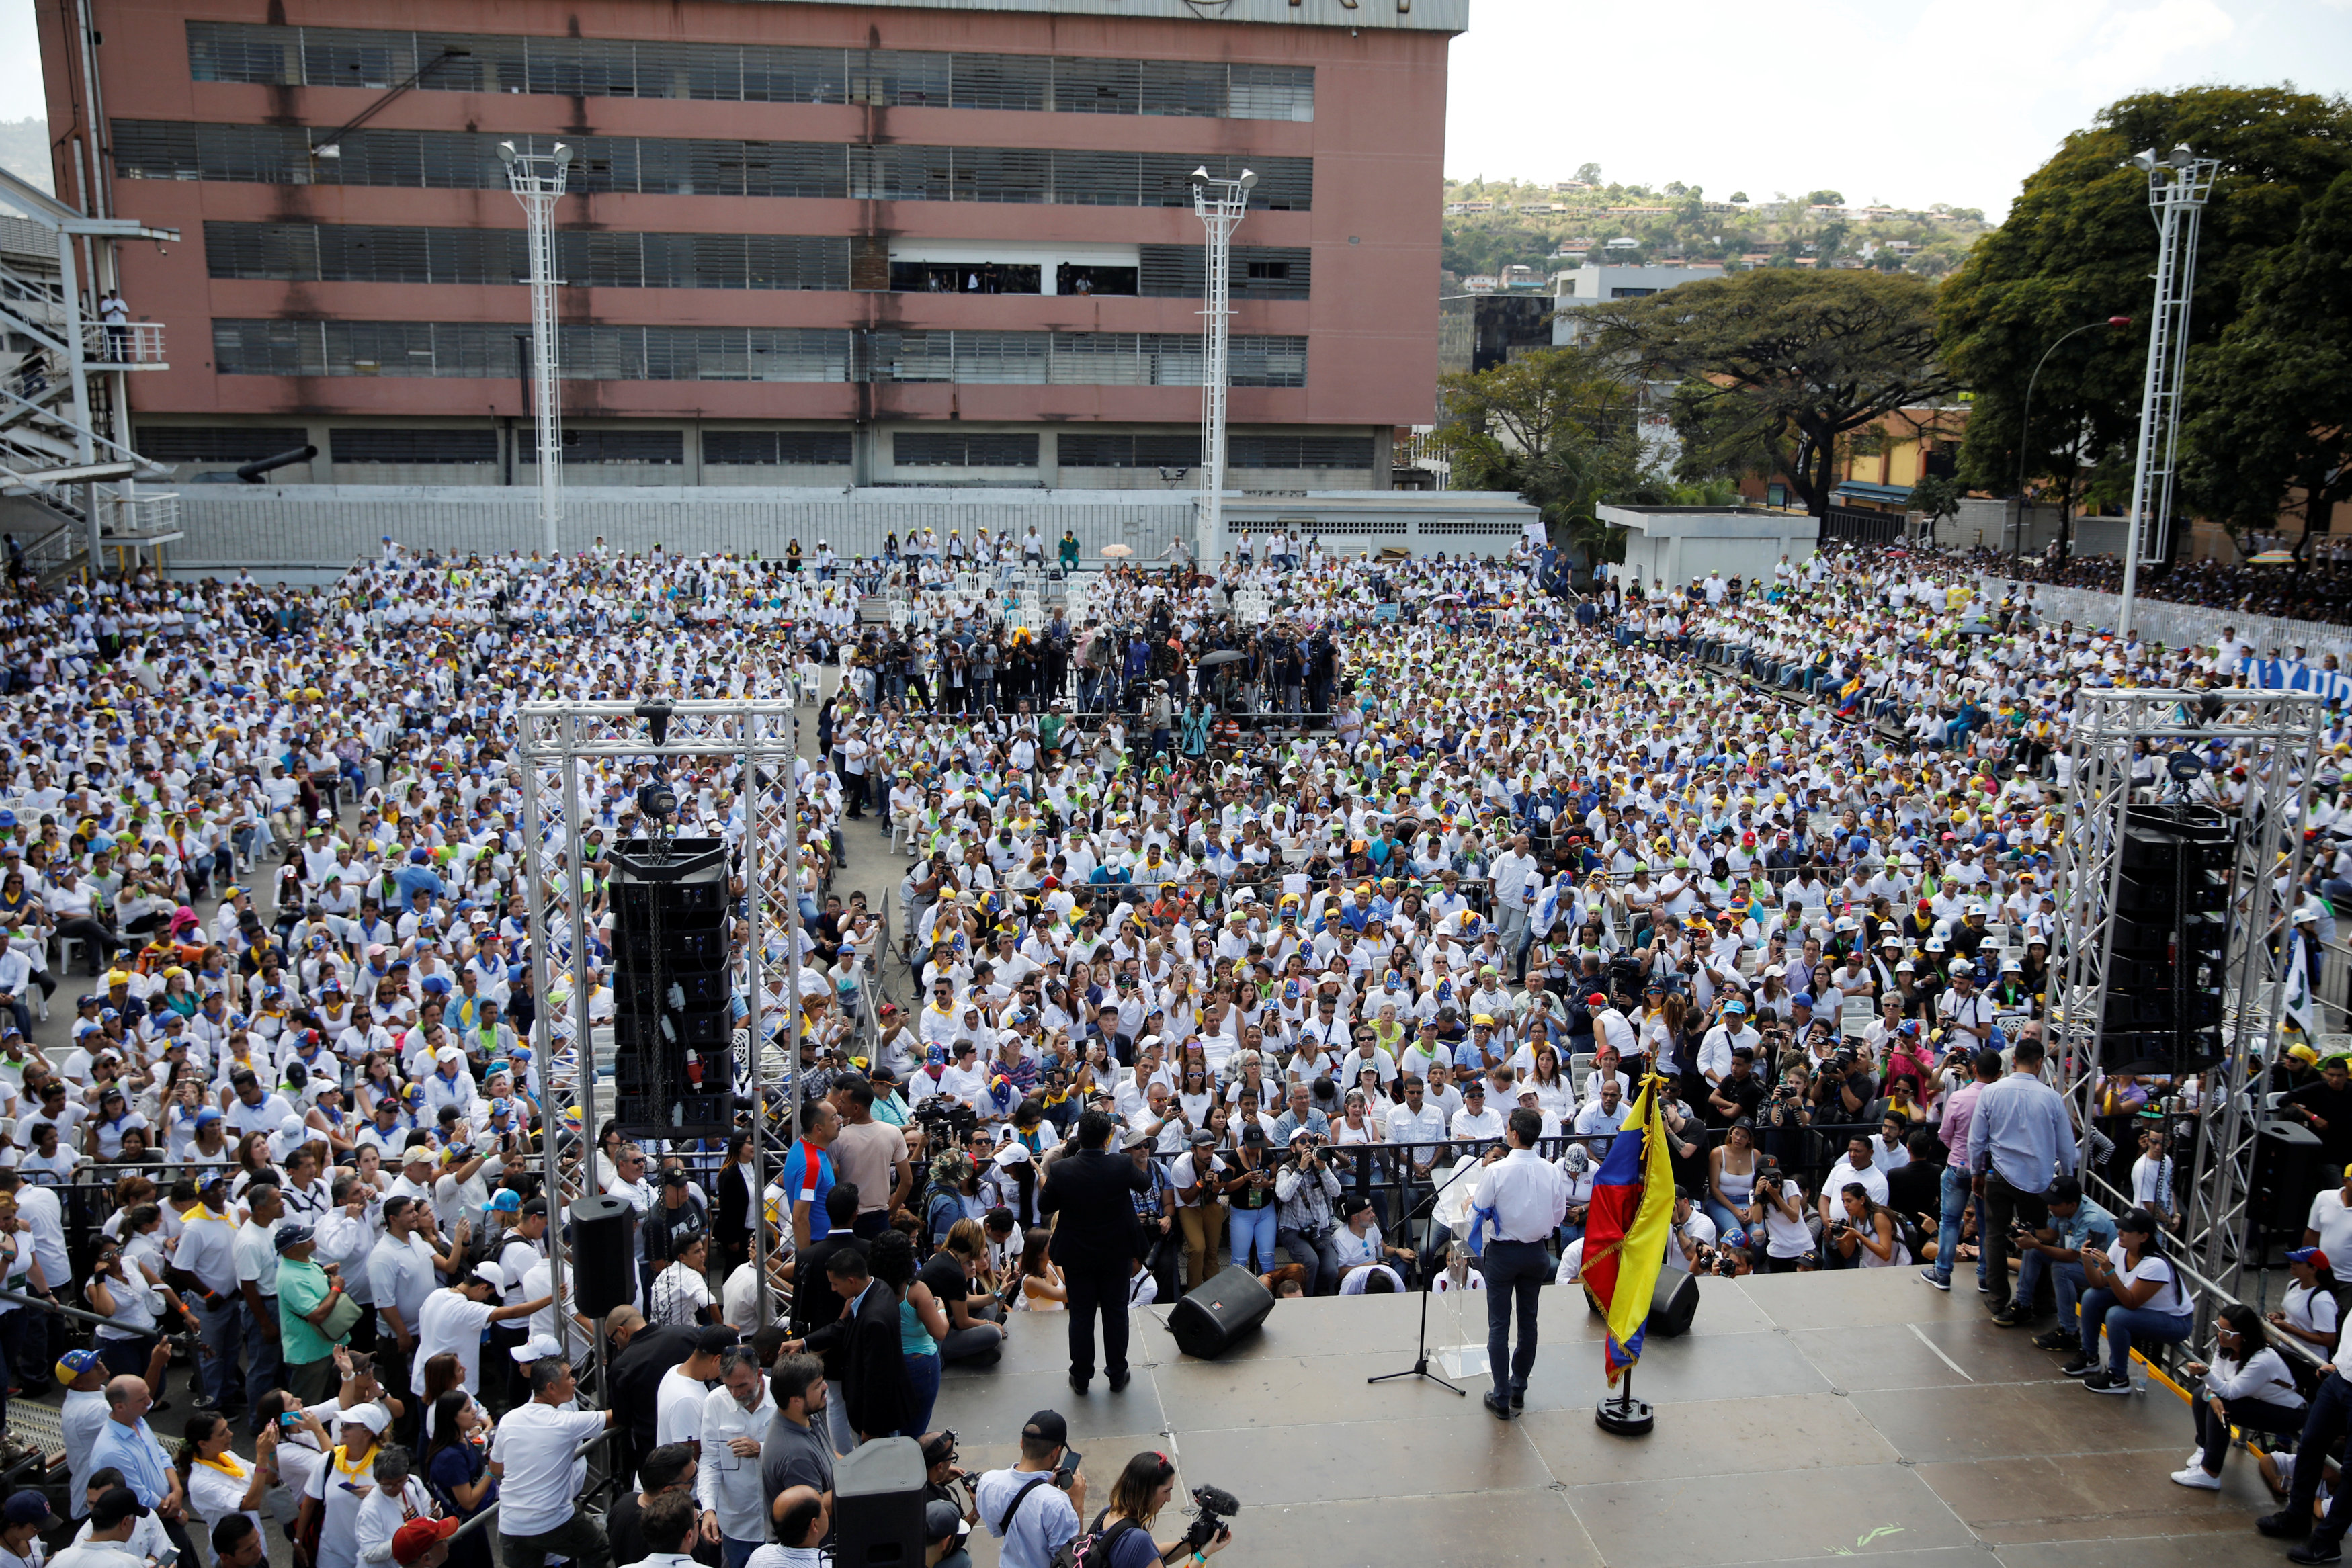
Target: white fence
[[2174, 624], [326, 525]]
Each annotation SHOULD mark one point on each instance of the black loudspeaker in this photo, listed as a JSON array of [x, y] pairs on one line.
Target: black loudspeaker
[[877, 1505], [1209, 1320], [673, 1018], [2286, 1172], [1673, 1301], [604, 1254]]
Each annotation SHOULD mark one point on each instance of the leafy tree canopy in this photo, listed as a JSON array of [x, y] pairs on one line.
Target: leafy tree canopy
[[2080, 246], [1778, 365]]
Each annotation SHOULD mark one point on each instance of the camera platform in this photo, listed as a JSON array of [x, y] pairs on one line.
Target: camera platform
[[1625, 1416]]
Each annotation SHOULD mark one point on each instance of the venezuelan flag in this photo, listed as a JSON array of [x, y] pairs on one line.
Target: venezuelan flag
[[1625, 1233]]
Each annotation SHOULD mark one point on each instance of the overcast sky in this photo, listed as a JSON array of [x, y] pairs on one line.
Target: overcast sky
[[1949, 101], [1952, 100]]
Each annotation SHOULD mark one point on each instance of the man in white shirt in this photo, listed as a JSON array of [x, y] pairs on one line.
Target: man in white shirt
[[1518, 1205], [539, 1480], [1853, 1165], [453, 1320], [735, 1417]]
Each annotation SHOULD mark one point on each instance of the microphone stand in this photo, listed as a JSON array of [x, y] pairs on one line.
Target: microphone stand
[[1420, 1368]]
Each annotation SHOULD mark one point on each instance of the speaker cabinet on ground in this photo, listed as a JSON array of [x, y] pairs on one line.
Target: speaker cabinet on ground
[[877, 1501], [1674, 1303], [1211, 1319], [604, 1254]]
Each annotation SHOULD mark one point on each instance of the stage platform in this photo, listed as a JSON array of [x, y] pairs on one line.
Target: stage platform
[[1805, 1417]]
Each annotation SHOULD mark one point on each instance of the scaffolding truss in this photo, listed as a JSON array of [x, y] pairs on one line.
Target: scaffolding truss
[[757, 743], [2116, 732]]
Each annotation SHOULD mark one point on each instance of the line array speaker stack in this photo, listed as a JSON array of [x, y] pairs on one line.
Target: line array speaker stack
[[2163, 1008], [673, 1014]]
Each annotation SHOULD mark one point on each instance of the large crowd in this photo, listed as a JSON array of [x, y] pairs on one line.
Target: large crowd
[[2317, 586], [1307, 870]]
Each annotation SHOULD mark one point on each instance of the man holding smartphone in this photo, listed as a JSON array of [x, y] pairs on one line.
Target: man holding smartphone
[[1036, 1506]]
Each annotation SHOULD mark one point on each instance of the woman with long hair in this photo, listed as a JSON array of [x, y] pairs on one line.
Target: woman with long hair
[[1731, 1183], [2136, 1294], [1039, 1281], [2247, 1385], [217, 1483], [456, 1468], [116, 1290], [1144, 1486], [1868, 1230], [445, 1374], [922, 1324]]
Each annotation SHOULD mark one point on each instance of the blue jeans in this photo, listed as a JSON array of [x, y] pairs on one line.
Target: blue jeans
[[2100, 1309], [2066, 1279], [264, 1371], [1956, 1197], [735, 1553], [1253, 1227], [222, 1332], [1515, 1272], [1730, 1229], [2331, 1411], [923, 1381]]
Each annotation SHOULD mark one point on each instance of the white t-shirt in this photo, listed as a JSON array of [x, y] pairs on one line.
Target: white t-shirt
[[450, 1320], [2169, 1297], [535, 1443], [2333, 1221]]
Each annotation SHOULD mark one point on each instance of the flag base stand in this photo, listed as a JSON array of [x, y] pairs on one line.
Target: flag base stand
[[1622, 1413]]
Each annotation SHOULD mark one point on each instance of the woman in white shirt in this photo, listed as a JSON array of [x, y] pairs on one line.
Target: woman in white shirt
[[2309, 1313], [2247, 1386], [2134, 1293], [216, 1481]]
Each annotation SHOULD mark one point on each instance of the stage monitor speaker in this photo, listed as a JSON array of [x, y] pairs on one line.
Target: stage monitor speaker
[[604, 1254], [877, 1505], [1208, 1322], [1673, 1301]]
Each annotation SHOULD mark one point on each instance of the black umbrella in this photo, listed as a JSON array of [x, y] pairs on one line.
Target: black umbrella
[[1223, 656]]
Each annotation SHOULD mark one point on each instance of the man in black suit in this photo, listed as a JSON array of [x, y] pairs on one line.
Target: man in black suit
[[874, 1391], [1095, 1242], [814, 1302]]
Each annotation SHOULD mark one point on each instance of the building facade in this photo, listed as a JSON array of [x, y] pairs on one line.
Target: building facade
[[1485, 327], [1597, 282], [807, 244]]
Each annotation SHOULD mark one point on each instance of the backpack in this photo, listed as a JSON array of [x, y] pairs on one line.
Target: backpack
[[1092, 1549]]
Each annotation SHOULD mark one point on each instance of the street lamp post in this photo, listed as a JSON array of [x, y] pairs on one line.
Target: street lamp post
[[2178, 185], [2025, 419], [1219, 204], [537, 179]]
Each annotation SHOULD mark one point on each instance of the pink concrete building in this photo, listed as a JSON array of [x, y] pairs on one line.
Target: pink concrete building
[[808, 243]]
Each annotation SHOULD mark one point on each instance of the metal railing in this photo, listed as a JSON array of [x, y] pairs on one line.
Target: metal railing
[[138, 344]]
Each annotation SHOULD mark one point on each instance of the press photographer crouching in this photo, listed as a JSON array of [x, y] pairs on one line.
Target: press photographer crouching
[[1123, 1531]]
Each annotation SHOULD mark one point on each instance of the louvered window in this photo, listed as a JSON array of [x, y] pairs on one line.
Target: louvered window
[[962, 449], [1260, 272], [217, 443], [765, 448], [1092, 449], [1298, 451], [665, 447], [408, 444], [620, 67]]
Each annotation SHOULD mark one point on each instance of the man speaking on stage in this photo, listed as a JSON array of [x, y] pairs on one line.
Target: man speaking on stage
[[1518, 1202]]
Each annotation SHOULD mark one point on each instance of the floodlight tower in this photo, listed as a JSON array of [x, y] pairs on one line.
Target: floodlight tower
[[1219, 204], [537, 179], [2178, 185]]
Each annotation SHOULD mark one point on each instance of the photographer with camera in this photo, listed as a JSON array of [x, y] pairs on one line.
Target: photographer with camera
[[1306, 1186], [1123, 1537], [1034, 1507]]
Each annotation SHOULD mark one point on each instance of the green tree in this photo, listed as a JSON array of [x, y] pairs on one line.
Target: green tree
[[1778, 366], [1823, 199], [1588, 173], [2268, 420], [1740, 196], [2079, 246], [1560, 426]]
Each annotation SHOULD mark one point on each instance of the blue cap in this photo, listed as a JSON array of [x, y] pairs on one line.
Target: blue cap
[[207, 1115], [1801, 1000]]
